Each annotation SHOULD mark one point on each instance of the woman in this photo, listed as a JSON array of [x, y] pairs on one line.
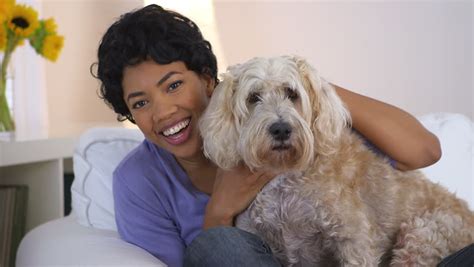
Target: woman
[[158, 72]]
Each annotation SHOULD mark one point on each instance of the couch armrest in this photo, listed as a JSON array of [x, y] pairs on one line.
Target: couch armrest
[[64, 242]]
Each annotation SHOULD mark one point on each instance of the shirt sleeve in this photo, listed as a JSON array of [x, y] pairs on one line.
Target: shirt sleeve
[[142, 220]]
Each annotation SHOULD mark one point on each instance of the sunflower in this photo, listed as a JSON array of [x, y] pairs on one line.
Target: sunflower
[[6, 8], [50, 25], [52, 45], [23, 20]]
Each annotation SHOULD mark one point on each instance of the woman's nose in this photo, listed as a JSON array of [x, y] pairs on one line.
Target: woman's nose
[[163, 109]]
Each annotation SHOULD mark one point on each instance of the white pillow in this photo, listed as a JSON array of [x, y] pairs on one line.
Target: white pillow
[[455, 169], [95, 158]]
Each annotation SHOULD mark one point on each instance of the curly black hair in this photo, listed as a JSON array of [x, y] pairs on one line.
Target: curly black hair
[[151, 32]]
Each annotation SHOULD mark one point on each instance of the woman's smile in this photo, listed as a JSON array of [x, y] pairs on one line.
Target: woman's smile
[[178, 133]]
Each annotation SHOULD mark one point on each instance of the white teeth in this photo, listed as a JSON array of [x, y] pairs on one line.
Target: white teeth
[[178, 127]]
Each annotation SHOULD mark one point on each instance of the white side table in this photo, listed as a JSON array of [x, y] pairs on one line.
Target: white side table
[[40, 165]]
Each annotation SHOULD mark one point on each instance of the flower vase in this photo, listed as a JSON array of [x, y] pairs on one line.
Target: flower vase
[[7, 123], [7, 136]]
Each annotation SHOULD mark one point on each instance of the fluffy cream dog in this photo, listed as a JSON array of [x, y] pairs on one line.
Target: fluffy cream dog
[[336, 201]]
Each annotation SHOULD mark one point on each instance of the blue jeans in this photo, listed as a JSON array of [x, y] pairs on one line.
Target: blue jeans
[[228, 246], [462, 258]]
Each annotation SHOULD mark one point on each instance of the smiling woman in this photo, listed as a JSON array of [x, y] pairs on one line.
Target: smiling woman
[[164, 87], [166, 101]]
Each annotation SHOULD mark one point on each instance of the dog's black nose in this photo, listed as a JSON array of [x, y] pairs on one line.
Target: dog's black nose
[[280, 131]]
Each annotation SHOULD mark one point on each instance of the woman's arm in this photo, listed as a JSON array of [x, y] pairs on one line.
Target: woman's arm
[[394, 131]]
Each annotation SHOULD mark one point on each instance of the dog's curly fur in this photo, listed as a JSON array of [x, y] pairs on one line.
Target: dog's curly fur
[[337, 201]]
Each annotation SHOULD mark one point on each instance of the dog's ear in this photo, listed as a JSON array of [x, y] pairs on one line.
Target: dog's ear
[[217, 126], [329, 115]]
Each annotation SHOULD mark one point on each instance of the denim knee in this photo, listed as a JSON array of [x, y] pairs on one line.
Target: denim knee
[[462, 258], [228, 246]]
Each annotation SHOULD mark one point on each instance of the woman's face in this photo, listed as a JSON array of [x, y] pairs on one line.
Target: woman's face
[[166, 102]]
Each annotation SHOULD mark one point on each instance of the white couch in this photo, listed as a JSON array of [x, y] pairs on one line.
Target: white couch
[[88, 237]]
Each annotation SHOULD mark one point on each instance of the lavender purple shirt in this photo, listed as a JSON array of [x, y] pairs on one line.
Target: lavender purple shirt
[[156, 206]]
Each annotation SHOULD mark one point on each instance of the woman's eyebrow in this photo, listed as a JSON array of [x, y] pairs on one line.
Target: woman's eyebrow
[[169, 74], [134, 94], [161, 81]]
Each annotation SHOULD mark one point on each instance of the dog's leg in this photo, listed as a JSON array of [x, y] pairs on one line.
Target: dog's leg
[[358, 251], [426, 240], [353, 241]]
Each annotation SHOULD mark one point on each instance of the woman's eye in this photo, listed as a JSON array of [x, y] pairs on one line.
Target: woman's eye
[[174, 85], [139, 104], [254, 98], [291, 94]]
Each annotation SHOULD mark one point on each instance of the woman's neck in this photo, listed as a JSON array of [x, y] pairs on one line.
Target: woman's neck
[[201, 172]]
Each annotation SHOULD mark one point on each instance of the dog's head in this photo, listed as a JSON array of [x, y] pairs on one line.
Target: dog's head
[[272, 113]]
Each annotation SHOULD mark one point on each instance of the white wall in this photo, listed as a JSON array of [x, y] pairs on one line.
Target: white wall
[[73, 103], [415, 55]]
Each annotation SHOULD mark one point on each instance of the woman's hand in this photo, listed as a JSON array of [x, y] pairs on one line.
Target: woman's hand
[[233, 191]]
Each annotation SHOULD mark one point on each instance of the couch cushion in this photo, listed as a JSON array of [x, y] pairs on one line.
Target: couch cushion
[[98, 153]]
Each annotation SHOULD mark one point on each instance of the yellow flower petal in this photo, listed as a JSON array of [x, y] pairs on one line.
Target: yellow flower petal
[[23, 20], [50, 26], [6, 7], [52, 46]]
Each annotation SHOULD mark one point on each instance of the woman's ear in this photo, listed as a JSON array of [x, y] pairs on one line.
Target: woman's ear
[[210, 83]]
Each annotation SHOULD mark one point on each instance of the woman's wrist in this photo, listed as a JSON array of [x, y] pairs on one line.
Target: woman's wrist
[[214, 217], [210, 222]]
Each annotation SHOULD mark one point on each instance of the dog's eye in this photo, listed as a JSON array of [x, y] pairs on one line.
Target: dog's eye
[[254, 98], [291, 94]]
